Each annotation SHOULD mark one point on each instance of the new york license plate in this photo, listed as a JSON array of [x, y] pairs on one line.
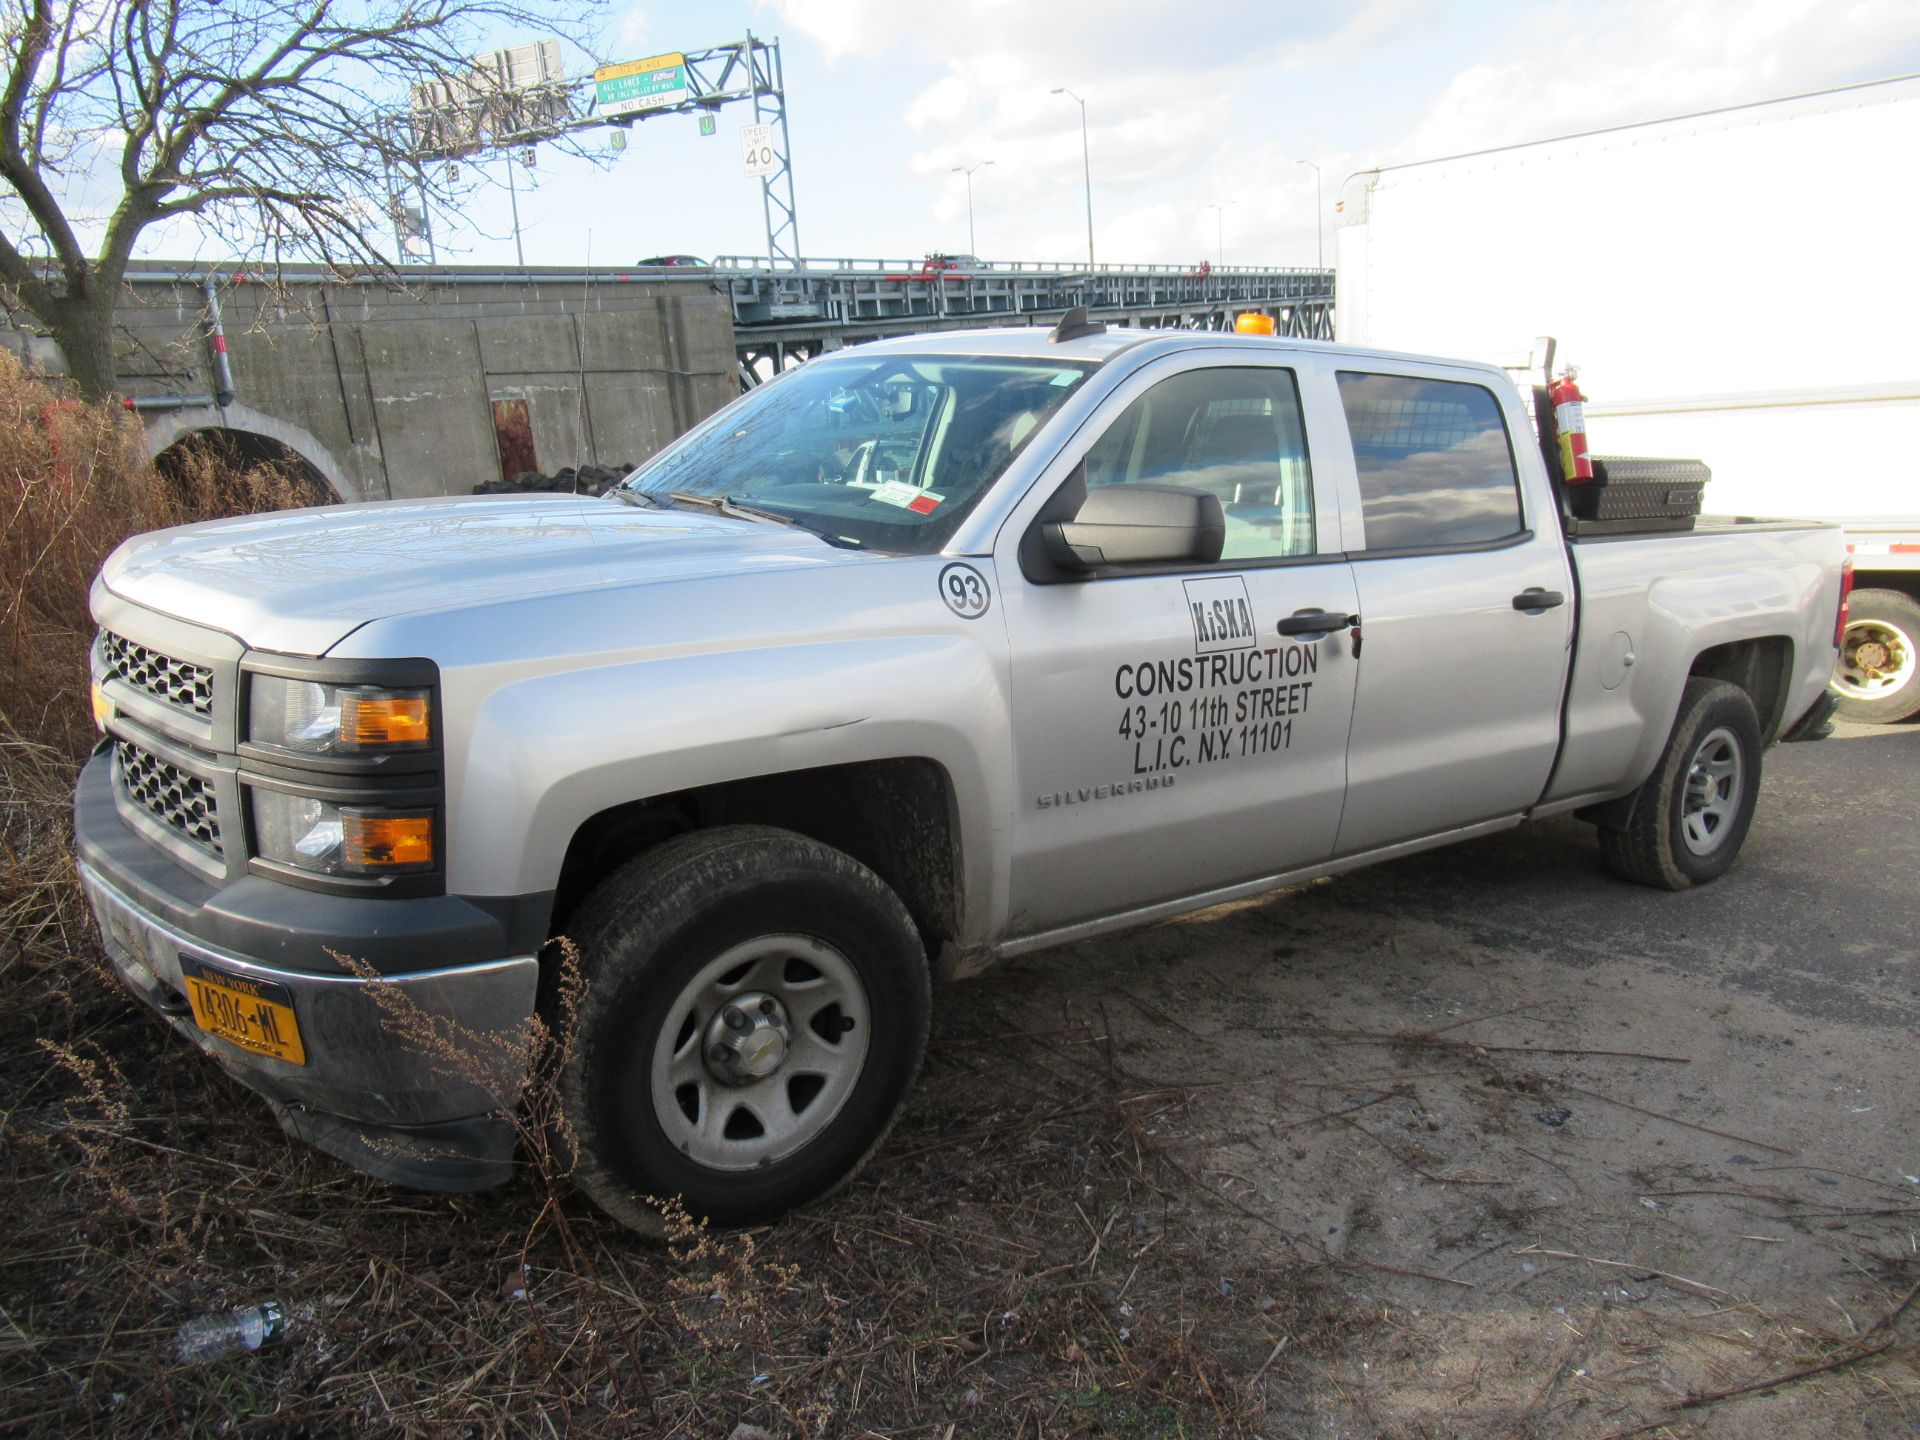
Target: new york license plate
[[256, 1015]]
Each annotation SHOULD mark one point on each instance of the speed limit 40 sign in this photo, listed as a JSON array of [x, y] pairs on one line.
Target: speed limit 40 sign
[[756, 148]]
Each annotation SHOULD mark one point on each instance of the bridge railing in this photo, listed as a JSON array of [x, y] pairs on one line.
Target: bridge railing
[[987, 269]]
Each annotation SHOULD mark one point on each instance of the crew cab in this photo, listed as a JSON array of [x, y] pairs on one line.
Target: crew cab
[[930, 652]]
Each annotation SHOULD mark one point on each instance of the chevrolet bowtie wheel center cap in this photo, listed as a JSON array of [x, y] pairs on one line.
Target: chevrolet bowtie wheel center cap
[[746, 1040]]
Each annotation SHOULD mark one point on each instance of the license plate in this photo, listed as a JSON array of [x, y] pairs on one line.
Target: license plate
[[256, 1015]]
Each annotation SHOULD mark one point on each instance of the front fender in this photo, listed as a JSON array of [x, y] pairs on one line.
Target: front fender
[[546, 753]]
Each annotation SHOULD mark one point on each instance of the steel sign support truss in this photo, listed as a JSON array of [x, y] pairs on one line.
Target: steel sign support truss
[[750, 69], [768, 80], [746, 70]]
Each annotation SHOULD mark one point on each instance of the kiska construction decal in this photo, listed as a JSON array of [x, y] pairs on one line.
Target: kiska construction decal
[[1231, 699], [1222, 614]]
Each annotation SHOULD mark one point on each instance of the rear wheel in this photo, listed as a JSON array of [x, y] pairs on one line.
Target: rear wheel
[[1877, 678], [756, 1009], [1691, 817]]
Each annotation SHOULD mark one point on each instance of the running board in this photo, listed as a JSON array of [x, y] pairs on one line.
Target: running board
[[1126, 919]]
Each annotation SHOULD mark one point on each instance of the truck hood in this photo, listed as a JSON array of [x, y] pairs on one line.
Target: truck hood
[[300, 581]]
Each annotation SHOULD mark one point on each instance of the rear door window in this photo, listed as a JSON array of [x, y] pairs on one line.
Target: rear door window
[[1435, 461]]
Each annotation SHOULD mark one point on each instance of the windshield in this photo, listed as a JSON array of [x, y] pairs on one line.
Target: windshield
[[884, 454]]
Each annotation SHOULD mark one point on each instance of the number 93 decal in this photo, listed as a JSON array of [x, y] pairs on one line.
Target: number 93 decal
[[965, 591]]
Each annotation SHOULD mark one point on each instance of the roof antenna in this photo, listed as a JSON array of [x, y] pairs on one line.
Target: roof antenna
[[1075, 324]]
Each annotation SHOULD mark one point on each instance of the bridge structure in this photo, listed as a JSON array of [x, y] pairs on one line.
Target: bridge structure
[[441, 379], [780, 315]]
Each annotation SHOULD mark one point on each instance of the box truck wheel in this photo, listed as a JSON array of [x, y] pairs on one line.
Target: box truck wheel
[[756, 1008], [1691, 817], [1878, 675]]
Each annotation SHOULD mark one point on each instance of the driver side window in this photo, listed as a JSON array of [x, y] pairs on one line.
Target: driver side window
[[1235, 433]]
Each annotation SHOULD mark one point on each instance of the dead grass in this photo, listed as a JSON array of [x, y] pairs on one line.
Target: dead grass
[[1053, 1243], [1016, 1262]]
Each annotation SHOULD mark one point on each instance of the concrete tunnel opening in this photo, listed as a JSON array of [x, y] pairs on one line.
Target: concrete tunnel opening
[[207, 462]]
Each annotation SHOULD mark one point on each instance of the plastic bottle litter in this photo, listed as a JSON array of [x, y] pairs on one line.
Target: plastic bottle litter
[[214, 1337]]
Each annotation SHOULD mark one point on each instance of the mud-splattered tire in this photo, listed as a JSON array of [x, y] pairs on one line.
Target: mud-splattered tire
[[1691, 817], [756, 1009]]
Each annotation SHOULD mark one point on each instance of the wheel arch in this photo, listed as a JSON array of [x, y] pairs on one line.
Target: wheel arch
[[1761, 666], [899, 817]]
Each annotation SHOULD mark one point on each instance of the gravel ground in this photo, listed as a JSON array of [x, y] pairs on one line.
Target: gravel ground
[[1585, 1152]]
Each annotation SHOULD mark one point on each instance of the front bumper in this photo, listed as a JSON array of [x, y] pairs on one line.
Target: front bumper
[[408, 1077]]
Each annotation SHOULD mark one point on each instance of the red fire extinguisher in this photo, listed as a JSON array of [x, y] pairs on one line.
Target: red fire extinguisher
[[1570, 419]]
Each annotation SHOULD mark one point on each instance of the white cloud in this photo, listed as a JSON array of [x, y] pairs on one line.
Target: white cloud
[[1186, 103], [632, 34], [1160, 90], [1650, 59]]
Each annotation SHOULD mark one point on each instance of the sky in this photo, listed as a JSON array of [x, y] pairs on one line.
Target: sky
[[1189, 106]]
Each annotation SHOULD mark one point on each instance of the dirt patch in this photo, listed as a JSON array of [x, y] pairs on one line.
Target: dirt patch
[[1569, 1166]]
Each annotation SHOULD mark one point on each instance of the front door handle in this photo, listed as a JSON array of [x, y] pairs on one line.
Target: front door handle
[[1534, 598], [1316, 622]]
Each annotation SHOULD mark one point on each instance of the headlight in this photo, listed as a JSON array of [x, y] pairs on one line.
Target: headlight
[[318, 719], [329, 839]]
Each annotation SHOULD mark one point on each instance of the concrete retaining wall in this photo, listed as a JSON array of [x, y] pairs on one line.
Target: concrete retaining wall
[[434, 391]]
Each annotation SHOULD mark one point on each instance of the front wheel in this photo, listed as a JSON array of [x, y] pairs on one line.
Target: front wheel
[[1877, 678], [756, 1008], [1691, 817]]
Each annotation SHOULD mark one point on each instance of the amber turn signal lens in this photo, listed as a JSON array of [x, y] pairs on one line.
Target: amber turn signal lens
[[385, 842], [370, 722]]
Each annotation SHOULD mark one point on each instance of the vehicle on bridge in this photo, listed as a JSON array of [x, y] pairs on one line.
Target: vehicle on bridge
[[1689, 303], [945, 267], [927, 653]]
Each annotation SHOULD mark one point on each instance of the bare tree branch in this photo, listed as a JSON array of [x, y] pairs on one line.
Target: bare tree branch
[[279, 126]]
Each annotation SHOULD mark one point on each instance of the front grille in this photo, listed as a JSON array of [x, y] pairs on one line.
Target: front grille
[[177, 682], [182, 802]]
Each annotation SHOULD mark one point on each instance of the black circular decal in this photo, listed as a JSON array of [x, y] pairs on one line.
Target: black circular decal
[[965, 591]]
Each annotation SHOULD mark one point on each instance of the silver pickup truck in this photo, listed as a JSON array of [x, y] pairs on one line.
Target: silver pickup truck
[[931, 652]]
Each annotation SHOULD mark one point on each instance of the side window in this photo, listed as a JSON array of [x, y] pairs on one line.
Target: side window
[[1235, 433], [1436, 467]]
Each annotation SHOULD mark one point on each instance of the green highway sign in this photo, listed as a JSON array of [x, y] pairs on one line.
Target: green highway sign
[[650, 84]]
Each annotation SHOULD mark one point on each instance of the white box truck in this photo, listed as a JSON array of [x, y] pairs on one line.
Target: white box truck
[[1737, 285]]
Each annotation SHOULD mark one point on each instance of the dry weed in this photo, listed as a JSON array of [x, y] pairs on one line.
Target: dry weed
[[1017, 1261]]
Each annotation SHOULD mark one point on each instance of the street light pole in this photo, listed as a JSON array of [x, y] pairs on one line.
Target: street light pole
[[513, 199], [1086, 166], [1220, 228], [973, 247], [1319, 220]]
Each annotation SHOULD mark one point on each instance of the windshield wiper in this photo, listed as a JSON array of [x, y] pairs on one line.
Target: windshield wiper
[[637, 497], [728, 506]]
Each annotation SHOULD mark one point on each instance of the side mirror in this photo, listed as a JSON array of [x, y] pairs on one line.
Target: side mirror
[[1138, 525]]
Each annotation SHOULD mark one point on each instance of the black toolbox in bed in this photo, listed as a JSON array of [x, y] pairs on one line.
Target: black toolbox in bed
[[1634, 488]]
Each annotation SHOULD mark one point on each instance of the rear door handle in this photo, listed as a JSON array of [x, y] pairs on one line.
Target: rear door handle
[[1316, 622], [1534, 598]]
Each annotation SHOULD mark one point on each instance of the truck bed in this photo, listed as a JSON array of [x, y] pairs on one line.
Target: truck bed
[[1648, 608], [1591, 532]]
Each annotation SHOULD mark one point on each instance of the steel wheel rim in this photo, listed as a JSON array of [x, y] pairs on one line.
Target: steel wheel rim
[[1716, 777], [726, 1120], [1856, 680]]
